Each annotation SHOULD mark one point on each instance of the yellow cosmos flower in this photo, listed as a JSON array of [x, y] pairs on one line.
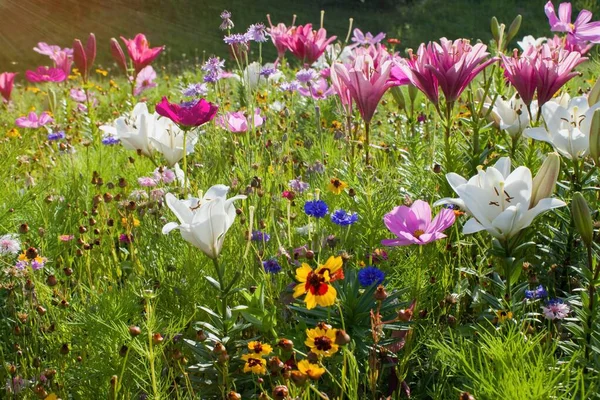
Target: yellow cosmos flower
[[259, 349], [254, 364], [336, 186], [316, 283], [312, 370], [102, 72], [503, 315], [321, 341]]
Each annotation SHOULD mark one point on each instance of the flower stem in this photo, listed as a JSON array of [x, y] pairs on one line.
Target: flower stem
[[221, 278], [592, 302], [367, 131]]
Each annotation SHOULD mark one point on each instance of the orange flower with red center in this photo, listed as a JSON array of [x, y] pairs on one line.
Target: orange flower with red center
[[316, 284]]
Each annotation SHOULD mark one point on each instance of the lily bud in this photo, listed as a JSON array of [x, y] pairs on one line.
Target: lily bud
[[595, 134], [117, 52], [412, 93], [545, 180], [594, 95], [514, 27], [582, 218], [495, 27], [398, 97], [79, 58]]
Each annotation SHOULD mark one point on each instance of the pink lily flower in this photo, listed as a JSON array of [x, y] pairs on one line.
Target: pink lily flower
[[365, 83], [187, 115], [558, 43], [237, 122], [318, 91], [579, 32], [46, 74], [415, 68], [280, 35], [554, 69], [342, 90], [521, 72], [32, 120], [7, 80], [306, 44], [84, 57], [144, 80], [140, 52], [413, 225]]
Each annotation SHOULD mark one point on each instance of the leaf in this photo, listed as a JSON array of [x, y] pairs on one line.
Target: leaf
[[213, 282]]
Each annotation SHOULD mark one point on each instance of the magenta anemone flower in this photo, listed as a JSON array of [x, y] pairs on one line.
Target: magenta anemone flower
[[144, 80], [318, 91], [413, 225], [7, 80], [366, 84], [140, 51], [33, 121], [578, 33], [189, 114], [306, 44], [237, 122], [84, 57], [46, 74]]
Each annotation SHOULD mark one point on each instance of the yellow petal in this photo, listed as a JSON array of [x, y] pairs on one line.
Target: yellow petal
[[328, 298], [311, 300], [299, 290]]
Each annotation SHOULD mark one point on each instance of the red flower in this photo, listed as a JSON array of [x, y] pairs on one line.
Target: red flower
[[194, 113]]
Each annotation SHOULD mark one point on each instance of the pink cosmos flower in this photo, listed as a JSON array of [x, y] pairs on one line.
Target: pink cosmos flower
[[190, 114], [164, 174], [306, 44], [84, 57], [46, 74], [237, 122], [66, 238], [63, 58], [7, 80], [147, 181], [366, 84], [32, 120], [78, 95], [280, 35], [578, 33], [140, 52], [144, 80], [413, 225], [318, 91]]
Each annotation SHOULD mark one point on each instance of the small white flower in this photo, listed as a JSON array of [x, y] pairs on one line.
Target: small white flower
[[9, 245]]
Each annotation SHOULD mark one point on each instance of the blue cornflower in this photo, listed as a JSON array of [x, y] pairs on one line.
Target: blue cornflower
[[370, 276], [537, 293], [343, 218], [260, 236], [316, 208], [267, 71], [110, 140], [271, 266], [56, 135]]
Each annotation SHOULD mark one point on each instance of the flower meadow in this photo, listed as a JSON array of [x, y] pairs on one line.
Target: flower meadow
[[349, 220]]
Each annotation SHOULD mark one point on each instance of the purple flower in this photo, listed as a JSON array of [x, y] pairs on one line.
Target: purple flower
[[578, 33], [125, 238], [368, 276], [306, 75], [291, 86], [164, 174], [267, 71], [271, 266], [78, 95], [21, 265], [32, 120], [556, 309], [316, 208], [38, 263], [236, 38], [317, 168], [157, 194], [195, 90], [56, 135], [226, 22], [146, 181], [343, 218], [537, 293], [414, 225], [110, 140], [360, 38], [213, 68], [318, 91], [298, 186], [260, 236], [257, 33]]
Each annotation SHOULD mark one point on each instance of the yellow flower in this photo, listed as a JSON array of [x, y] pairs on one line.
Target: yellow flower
[[113, 84], [13, 133], [125, 223], [336, 186], [316, 283], [262, 97], [312, 370], [503, 315], [259, 349], [321, 341], [101, 72], [22, 257], [32, 89], [256, 365]]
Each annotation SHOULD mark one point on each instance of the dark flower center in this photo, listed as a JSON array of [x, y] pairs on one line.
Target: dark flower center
[[323, 343], [258, 348], [254, 362], [336, 182]]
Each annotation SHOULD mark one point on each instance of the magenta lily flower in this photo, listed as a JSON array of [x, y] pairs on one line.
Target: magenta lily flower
[[84, 57], [140, 51], [415, 68], [318, 91], [413, 225], [237, 122], [366, 84], [187, 115], [280, 35], [33, 121], [521, 72], [306, 44], [7, 80], [554, 69], [579, 32], [341, 89], [46, 74]]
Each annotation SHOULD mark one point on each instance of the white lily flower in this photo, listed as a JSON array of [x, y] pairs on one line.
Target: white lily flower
[[204, 222], [498, 200], [168, 140], [512, 115], [134, 130], [568, 128], [253, 78], [529, 41]]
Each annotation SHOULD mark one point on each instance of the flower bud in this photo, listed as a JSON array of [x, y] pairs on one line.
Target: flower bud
[[286, 344], [582, 218], [280, 392], [495, 28], [380, 294], [117, 52], [341, 337], [594, 95], [234, 396], [545, 180], [595, 134], [298, 378], [134, 330], [398, 97], [514, 27]]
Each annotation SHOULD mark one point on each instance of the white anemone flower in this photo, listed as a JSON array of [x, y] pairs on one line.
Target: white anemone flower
[[498, 200], [203, 222]]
